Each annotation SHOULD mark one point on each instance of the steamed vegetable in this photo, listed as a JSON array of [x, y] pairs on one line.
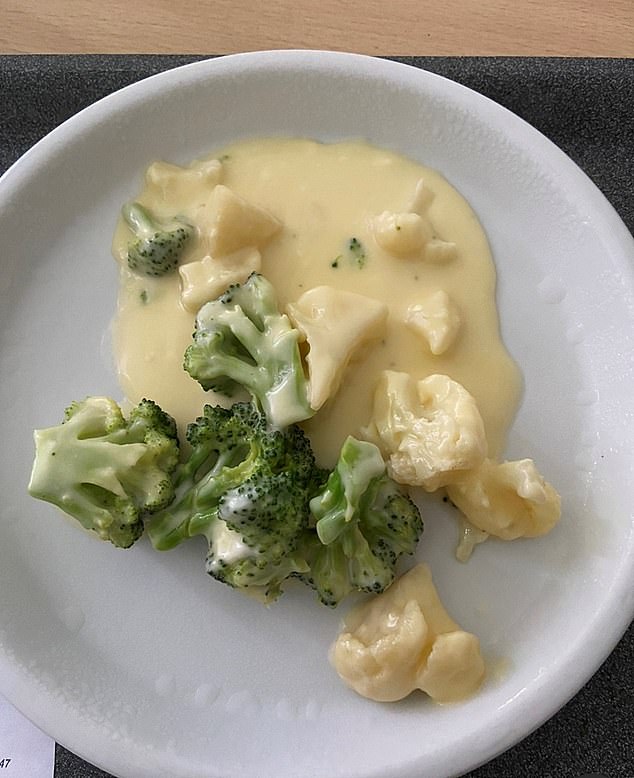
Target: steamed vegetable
[[106, 471], [242, 341], [363, 523], [158, 245], [246, 487]]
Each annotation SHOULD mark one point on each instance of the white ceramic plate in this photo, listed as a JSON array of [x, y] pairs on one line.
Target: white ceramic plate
[[141, 664]]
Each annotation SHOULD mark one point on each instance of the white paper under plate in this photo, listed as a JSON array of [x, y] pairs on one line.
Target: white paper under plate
[[25, 751], [140, 663]]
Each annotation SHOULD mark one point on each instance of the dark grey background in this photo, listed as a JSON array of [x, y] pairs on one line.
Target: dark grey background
[[586, 106]]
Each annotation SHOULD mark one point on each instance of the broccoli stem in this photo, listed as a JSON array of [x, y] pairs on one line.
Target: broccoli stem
[[139, 220]]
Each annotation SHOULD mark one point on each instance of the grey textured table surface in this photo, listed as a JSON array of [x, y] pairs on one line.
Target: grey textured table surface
[[587, 108]]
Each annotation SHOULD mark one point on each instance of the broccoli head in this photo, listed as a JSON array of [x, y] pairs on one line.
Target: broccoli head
[[158, 246], [105, 471], [242, 340], [246, 487], [363, 523]]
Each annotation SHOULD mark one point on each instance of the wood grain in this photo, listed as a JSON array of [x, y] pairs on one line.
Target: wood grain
[[418, 27]]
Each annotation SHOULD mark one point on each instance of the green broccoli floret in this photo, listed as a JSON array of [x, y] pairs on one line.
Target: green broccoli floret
[[242, 340], [158, 245], [105, 471], [363, 524], [246, 487]]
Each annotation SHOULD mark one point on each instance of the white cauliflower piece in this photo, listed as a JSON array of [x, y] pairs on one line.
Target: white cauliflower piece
[[402, 234], [187, 187], [455, 668], [437, 319], [208, 278], [469, 538], [430, 430], [229, 223], [421, 199], [508, 500], [440, 251], [335, 324], [403, 640], [410, 233]]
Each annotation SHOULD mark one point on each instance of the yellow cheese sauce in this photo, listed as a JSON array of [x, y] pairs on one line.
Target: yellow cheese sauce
[[325, 195]]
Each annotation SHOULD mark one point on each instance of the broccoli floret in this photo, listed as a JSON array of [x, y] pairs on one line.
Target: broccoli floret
[[363, 524], [105, 471], [158, 245], [246, 487], [231, 562], [242, 340]]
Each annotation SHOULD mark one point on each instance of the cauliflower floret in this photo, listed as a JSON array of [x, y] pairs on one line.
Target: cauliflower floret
[[402, 234], [421, 198], [440, 251], [189, 187], [229, 223], [437, 319], [209, 277], [429, 430], [509, 499], [410, 233], [403, 640], [335, 324]]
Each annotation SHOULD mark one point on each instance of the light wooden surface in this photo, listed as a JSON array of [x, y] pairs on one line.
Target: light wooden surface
[[431, 27]]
